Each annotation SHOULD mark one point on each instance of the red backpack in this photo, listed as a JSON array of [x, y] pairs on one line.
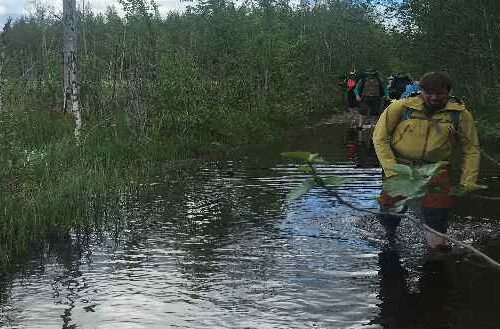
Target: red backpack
[[351, 83]]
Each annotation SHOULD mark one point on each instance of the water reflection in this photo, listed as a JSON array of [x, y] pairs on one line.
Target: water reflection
[[429, 305], [220, 248]]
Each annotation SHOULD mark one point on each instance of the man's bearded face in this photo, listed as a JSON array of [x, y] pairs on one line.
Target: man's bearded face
[[435, 99]]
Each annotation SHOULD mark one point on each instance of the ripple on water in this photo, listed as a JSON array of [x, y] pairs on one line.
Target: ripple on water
[[227, 251]]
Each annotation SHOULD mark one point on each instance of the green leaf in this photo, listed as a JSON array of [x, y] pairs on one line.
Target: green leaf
[[304, 156], [429, 170], [410, 182], [404, 186], [305, 169], [335, 181], [315, 158], [403, 170], [302, 189]]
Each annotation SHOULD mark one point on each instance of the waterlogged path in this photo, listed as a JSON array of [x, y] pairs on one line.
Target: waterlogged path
[[223, 249]]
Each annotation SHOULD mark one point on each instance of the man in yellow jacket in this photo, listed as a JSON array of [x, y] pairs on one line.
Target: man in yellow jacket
[[425, 129]]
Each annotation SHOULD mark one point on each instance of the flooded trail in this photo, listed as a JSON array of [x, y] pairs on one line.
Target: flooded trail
[[224, 249]]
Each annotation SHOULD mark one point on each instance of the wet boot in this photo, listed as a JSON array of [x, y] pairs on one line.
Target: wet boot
[[437, 219], [389, 222]]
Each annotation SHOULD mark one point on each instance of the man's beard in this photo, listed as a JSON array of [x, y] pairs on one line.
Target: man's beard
[[435, 107]]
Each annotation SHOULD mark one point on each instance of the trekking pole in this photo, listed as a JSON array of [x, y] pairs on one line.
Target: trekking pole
[[334, 194], [320, 182], [475, 251], [487, 156]]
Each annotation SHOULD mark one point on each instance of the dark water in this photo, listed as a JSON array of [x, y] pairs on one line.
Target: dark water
[[223, 249]]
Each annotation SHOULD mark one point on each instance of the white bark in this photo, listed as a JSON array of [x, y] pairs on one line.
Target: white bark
[[2, 63], [70, 96], [84, 30], [3, 46]]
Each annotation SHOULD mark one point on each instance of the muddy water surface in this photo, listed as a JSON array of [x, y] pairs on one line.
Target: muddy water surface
[[223, 249]]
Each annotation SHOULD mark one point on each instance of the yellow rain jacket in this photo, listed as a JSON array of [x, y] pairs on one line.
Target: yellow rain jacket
[[416, 137]]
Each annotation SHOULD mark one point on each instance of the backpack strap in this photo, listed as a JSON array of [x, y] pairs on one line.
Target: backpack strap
[[406, 114], [454, 117], [454, 114]]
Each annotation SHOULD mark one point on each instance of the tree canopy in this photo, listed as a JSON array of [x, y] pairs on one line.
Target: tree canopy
[[268, 61]]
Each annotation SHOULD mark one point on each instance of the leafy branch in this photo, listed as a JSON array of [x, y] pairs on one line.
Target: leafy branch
[[414, 182], [409, 183], [311, 159]]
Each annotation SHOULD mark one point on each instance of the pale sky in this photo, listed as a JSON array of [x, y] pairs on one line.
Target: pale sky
[[16, 8]]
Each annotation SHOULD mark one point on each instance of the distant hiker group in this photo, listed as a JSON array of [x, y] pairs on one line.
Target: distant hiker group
[[420, 124], [366, 95]]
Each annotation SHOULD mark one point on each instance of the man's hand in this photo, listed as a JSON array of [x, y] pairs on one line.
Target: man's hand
[[358, 98], [471, 187], [466, 188]]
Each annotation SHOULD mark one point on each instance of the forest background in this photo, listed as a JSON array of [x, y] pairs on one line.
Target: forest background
[[204, 82]]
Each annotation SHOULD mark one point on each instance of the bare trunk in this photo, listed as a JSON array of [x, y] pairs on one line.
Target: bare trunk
[[115, 76], [266, 80], [3, 46], [94, 58], [70, 96], [2, 63], [136, 117], [490, 46], [84, 31], [124, 46], [45, 57]]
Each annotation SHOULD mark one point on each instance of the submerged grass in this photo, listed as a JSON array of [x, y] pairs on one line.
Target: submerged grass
[[52, 186], [49, 184]]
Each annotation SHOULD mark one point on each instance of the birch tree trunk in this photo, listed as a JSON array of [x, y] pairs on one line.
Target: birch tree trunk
[[3, 46], [70, 97], [2, 63], [489, 36]]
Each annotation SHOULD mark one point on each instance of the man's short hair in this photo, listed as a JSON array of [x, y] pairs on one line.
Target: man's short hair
[[435, 80]]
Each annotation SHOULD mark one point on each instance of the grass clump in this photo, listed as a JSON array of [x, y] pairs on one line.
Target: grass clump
[[50, 184]]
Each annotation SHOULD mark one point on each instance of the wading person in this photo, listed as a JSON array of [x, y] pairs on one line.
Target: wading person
[[352, 103], [425, 129], [398, 85], [369, 92]]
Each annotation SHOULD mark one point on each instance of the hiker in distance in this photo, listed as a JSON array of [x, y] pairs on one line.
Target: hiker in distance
[[421, 130], [369, 92], [350, 85]]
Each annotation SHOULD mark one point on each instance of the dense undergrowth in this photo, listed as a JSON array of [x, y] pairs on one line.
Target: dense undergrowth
[[203, 84], [488, 125], [49, 184], [52, 185]]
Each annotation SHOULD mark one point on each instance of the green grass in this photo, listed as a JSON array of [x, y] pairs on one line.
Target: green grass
[[52, 185], [49, 184]]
